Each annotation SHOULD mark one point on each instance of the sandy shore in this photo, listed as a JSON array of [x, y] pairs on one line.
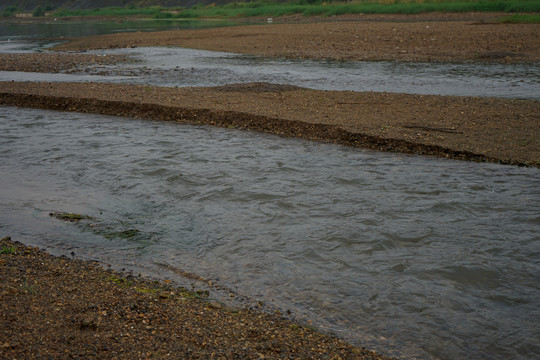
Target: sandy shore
[[60, 308], [55, 62], [427, 38]]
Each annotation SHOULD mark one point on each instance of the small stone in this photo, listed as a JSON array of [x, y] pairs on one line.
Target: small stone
[[88, 323], [214, 305]]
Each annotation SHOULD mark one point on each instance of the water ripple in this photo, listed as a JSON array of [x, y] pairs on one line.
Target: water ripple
[[413, 256]]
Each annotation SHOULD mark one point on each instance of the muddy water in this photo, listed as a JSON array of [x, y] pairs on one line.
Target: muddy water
[[412, 256]]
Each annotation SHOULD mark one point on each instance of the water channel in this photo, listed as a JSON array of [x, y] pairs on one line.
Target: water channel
[[411, 256], [175, 66]]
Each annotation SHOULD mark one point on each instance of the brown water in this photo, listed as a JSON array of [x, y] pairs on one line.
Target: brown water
[[412, 256]]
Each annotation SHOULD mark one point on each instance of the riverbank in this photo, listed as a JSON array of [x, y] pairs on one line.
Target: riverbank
[[423, 37], [63, 308], [478, 129], [55, 62]]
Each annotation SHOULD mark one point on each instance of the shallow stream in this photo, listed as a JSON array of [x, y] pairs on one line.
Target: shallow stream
[[185, 67], [411, 256], [174, 66]]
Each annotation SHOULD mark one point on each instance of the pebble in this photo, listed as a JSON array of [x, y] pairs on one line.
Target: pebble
[[88, 323], [214, 305]]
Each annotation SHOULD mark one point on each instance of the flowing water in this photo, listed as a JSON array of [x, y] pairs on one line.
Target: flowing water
[[186, 67], [412, 256], [173, 66]]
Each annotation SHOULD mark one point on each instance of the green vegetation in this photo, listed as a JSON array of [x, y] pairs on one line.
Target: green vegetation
[[315, 7], [9, 11], [7, 250], [520, 19], [72, 217], [38, 12], [111, 11], [126, 234], [274, 8], [120, 281], [146, 288]]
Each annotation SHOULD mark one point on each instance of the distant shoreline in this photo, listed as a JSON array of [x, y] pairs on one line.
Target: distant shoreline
[[422, 37]]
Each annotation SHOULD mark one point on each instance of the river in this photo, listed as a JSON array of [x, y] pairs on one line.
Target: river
[[415, 257]]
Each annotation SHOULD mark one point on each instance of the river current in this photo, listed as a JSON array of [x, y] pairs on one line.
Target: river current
[[174, 66], [412, 256], [415, 257]]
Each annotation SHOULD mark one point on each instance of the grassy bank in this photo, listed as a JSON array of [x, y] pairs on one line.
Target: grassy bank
[[521, 19], [320, 8], [273, 8], [151, 11]]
